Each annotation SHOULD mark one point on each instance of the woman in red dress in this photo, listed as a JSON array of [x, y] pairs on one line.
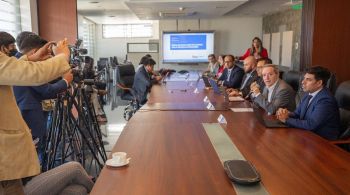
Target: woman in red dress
[[257, 50]]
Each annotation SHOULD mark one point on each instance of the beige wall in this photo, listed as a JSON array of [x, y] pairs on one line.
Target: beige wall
[[233, 35]]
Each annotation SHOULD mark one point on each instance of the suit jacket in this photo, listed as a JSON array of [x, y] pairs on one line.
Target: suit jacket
[[235, 77], [321, 117], [246, 88], [29, 102], [18, 157], [142, 85], [283, 96]]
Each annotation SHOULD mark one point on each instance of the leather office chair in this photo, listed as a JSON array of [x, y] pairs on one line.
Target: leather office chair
[[294, 78], [124, 94], [342, 96], [115, 60], [332, 83]]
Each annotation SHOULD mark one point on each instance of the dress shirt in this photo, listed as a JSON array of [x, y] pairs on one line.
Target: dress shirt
[[270, 90], [314, 94]]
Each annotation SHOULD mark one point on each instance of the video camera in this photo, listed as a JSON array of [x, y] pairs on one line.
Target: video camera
[[83, 67]]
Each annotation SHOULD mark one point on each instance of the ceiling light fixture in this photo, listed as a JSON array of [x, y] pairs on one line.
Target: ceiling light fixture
[[181, 8], [94, 2]]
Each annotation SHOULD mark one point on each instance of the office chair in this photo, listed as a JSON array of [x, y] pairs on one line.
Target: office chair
[[115, 60], [342, 95], [124, 95], [332, 83], [294, 79]]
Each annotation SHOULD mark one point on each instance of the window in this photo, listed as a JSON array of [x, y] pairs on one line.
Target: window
[[10, 18], [89, 37], [127, 30]]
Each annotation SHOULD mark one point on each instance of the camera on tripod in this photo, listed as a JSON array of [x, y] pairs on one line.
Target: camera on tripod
[[83, 68], [77, 59]]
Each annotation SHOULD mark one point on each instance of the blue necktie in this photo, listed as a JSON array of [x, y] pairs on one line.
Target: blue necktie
[[228, 75], [304, 110]]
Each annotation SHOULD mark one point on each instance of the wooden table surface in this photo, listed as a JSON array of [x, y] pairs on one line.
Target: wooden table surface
[[171, 153]]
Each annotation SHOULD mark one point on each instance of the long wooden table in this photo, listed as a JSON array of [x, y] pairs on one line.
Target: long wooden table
[[172, 154]]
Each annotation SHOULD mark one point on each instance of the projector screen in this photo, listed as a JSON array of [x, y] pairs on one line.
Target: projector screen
[[187, 47]]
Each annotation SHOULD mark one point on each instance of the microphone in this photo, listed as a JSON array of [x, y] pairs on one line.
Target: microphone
[[247, 96]]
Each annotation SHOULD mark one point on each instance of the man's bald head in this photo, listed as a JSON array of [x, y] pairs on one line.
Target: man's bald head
[[249, 64]]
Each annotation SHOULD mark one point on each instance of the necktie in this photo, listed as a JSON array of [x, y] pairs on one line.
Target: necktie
[[245, 81], [304, 110], [228, 75]]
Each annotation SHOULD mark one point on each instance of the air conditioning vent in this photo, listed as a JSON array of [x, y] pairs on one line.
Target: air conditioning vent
[[175, 14]]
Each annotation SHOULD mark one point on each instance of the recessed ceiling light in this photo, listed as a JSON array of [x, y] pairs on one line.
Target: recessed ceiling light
[[94, 2]]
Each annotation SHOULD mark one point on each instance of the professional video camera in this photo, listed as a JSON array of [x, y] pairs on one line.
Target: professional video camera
[[77, 60], [83, 67]]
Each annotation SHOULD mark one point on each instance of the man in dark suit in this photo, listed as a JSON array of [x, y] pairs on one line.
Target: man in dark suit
[[232, 75], [317, 112], [29, 98], [249, 77], [276, 94], [143, 80]]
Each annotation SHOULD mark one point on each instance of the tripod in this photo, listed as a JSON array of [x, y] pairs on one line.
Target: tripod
[[74, 133]]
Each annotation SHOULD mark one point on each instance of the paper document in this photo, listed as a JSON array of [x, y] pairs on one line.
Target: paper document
[[242, 109], [235, 99]]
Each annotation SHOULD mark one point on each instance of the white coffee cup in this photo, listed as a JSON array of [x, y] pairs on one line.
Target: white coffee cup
[[119, 157]]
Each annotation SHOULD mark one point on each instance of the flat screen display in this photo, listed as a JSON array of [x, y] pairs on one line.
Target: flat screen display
[[187, 47]]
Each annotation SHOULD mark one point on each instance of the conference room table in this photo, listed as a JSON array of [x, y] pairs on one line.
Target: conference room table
[[172, 154]]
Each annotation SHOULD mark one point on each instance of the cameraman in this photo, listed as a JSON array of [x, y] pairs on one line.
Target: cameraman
[[29, 97], [17, 151]]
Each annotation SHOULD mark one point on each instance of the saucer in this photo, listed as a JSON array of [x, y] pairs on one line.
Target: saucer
[[110, 163]]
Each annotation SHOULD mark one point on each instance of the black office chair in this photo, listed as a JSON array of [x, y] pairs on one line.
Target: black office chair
[[294, 78], [332, 83], [124, 95], [115, 60], [342, 96]]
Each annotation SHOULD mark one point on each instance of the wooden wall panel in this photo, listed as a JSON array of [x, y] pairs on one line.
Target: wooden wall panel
[[58, 19], [307, 31], [331, 37]]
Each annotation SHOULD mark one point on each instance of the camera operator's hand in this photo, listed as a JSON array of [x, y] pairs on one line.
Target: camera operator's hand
[[68, 77], [62, 47], [42, 54]]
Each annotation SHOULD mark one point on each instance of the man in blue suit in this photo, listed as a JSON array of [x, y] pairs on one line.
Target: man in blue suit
[[143, 80], [29, 98], [317, 112], [232, 75]]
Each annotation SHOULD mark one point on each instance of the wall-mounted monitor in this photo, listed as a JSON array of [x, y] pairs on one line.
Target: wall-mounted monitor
[[187, 47]]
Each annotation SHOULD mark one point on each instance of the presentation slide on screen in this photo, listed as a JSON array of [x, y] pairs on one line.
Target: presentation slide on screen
[[187, 47]]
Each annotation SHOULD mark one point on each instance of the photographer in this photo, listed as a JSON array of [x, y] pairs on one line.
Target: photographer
[[17, 151], [29, 97]]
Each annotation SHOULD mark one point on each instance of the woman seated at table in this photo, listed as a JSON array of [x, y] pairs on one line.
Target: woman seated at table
[[221, 66], [257, 50]]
